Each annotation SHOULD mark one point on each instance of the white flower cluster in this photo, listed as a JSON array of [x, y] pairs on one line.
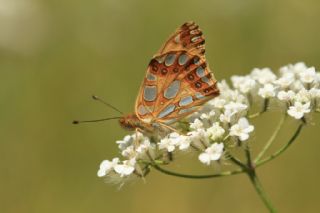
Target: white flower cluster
[[224, 118]]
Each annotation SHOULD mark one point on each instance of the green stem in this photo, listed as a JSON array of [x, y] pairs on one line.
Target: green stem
[[281, 150], [254, 115], [251, 171], [248, 155], [271, 139], [238, 162], [264, 109], [176, 174], [259, 189]]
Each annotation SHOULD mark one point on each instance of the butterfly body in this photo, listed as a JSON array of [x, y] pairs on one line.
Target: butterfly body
[[131, 122], [178, 81]]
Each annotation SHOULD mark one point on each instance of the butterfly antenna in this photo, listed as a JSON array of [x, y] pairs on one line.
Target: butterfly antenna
[[107, 104], [97, 120]]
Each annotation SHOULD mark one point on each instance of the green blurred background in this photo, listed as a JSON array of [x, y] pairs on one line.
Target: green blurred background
[[55, 54]]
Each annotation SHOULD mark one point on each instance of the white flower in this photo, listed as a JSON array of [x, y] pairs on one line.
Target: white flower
[[223, 86], [169, 143], [286, 80], [226, 116], [126, 168], [241, 129], [208, 115], [243, 83], [235, 107], [123, 144], [196, 124], [286, 96], [217, 102], [129, 152], [144, 146], [212, 153], [314, 93], [267, 91], [308, 75], [198, 137], [297, 85], [298, 109], [302, 96], [295, 68], [318, 77], [235, 96], [263, 76], [215, 131], [106, 166], [184, 142]]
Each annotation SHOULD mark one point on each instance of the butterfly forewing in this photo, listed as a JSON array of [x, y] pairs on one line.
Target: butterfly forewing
[[178, 79], [188, 37]]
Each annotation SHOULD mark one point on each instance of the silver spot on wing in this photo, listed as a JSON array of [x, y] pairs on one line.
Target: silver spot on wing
[[170, 59], [199, 95], [172, 90], [207, 80], [200, 72], [169, 109], [183, 58], [187, 110], [185, 101], [150, 93], [142, 110], [151, 77]]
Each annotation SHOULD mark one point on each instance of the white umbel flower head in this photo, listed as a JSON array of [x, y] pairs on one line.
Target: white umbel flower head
[[123, 144], [267, 91], [196, 124], [241, 129], [298, 109], [286, 80], [263, 76], [212, 153], [215, 131], [170, 142], [286, 96], [244, 83], [308, 75], [126, 168], [208, 116], [106, 166]]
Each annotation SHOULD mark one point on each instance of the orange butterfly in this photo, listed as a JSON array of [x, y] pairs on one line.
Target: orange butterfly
[[178, 81]]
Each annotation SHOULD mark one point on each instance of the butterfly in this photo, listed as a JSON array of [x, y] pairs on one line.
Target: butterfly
[[178, 81]]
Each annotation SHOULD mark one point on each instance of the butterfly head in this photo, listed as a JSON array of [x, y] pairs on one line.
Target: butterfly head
[[130, 122]]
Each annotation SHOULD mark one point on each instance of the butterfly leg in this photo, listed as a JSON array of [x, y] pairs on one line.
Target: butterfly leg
[[136, 141], [171, 128]]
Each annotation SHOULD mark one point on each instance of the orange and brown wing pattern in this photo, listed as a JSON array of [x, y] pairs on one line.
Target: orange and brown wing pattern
[[178, 81], [187, 37]]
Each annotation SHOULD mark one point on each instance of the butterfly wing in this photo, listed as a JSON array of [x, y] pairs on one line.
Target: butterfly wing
[[187, 37], [178, 79]]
